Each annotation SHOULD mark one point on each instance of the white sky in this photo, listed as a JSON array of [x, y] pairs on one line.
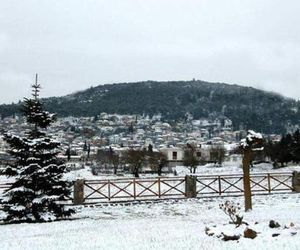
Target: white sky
[[76, 44]]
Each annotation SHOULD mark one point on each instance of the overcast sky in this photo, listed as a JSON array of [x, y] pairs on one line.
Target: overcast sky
[[77, 44]]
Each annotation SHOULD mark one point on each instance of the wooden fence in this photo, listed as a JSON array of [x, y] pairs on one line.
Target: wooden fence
[[190, 186], [227, 185], [132, 189]]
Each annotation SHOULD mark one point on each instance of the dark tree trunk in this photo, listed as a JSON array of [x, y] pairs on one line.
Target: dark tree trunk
[[136, 172], [159, 171]]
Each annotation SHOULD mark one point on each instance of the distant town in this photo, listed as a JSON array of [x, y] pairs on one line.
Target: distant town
[[91, 140]]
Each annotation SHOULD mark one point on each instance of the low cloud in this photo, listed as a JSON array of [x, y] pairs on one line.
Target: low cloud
[[75, 44]]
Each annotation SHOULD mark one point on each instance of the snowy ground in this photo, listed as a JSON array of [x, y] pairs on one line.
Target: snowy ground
[[208, 169], [166, 225]]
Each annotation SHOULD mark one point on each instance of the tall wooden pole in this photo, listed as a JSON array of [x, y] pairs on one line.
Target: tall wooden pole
[[253, 142], [246, 178]]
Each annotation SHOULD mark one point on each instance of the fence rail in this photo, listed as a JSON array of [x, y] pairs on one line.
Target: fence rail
[[132, 189], [233, 184], [177, 187]]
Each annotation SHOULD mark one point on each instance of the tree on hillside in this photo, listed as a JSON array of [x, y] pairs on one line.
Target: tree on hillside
[[38, 190], [190, 159]]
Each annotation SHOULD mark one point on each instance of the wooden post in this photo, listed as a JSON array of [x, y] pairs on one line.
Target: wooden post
[[296, 181], [269, 183], [246, 179], [220, 187], [109, 194], [190, 186], [253, 142], [134, 189], [78, 192], [159, 191]]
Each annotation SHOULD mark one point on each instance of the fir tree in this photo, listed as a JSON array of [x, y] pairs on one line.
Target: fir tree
[[39, 192], [296, 146]]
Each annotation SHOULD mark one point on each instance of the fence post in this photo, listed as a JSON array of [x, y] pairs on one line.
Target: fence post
[[78, 192], [269, 183], [220, 187], [134, 189], [190, 186], [296, 181], [108, 191], [159, 191]]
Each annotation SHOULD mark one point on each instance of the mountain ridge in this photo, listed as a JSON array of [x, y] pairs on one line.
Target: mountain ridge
[[247, 107]]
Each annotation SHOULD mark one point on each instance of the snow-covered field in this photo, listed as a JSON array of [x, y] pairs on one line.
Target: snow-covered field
[[165, 225], [208, 169]]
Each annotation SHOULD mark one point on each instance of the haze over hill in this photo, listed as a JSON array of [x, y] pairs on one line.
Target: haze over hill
[[247, 107]]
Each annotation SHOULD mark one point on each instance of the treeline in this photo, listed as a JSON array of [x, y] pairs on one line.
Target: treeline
[[285, 151], [134, 159]]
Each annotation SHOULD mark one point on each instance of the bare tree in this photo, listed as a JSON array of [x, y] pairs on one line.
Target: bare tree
[[135, 159], [102, 157], [217, 155], [190, 159], [115, 161], [109, 159], [157, 160]]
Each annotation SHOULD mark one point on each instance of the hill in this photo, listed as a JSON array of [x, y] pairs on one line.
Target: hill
[[247, 107]]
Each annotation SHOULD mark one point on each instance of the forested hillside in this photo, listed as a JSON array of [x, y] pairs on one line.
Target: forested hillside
[[245, 106]]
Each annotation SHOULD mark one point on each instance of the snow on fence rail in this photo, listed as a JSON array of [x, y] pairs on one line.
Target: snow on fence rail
[[190, 186]]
